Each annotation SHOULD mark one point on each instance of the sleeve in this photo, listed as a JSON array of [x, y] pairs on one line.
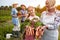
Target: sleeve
[[57, 21], [55, 25], [58, 18], [13, 12], [51, 26], [41, 17]]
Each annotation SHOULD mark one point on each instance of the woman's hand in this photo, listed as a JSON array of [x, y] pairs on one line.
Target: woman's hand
[[44, 27]]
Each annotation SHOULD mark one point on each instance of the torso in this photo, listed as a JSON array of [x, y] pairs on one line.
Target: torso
[[48, 18], [49, 34]]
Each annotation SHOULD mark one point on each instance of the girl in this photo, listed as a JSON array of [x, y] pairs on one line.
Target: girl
[[31, 12], [15, 20], [23, 12], [30, 29]]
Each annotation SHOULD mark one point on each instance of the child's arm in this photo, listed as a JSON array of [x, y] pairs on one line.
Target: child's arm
[[14, 13]]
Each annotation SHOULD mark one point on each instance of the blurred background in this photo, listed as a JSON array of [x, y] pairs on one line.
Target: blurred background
[[5, 13]]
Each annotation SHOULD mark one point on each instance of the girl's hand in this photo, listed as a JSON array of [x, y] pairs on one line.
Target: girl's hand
[[44, 27], [14, 16]]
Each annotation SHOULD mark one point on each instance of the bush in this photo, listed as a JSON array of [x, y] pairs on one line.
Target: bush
[[4, 18]]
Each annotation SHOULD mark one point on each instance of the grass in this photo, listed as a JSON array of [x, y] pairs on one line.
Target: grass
[[5, 12]]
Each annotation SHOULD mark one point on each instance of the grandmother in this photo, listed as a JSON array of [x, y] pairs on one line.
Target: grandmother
[[48, 19]]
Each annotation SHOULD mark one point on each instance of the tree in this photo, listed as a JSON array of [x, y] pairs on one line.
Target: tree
[[18, 8], [2, 7], [6, 8], [10, 7], [58, 7], [43, 9], [38, 9]]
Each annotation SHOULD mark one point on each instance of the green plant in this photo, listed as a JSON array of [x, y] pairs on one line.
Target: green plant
[[23, 25], [36, 24], [2, 38], [4, 31]]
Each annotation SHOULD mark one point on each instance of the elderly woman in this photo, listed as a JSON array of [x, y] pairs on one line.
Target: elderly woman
[[15, 20], [48, 19]]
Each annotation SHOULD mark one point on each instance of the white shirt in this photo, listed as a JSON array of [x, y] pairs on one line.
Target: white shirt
[[48, 20], [31, 17]]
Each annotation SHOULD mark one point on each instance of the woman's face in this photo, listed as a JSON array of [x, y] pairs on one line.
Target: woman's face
[[47, 5], [49, 8]]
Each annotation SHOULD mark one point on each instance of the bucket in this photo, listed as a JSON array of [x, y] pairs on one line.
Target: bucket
[[8, 36]]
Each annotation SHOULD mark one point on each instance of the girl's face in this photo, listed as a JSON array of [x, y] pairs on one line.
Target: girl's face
[[23, 7], [31, 11]]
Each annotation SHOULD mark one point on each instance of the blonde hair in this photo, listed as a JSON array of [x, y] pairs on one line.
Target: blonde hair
[[31, 8], [51, 2]]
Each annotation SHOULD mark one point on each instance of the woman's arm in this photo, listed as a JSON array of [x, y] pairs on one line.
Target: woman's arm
[[50, 27]]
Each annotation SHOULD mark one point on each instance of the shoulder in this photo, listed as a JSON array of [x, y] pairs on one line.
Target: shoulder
[[43, 13], [37, 16], [57, 11], [13, 9]]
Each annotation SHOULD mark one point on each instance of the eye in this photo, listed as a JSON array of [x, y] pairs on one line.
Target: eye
[[46, 2]]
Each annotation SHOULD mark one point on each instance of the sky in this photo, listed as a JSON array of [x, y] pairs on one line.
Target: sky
[[33, 3]]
